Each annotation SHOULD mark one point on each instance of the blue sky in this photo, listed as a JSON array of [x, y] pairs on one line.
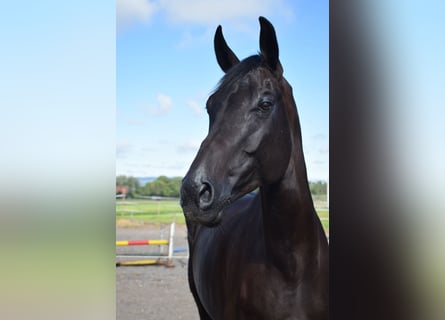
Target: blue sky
[[166, 68]]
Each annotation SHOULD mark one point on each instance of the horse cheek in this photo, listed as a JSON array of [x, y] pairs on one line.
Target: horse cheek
[[274, 160]]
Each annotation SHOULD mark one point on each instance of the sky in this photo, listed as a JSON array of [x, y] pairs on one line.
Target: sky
[[166, 68]]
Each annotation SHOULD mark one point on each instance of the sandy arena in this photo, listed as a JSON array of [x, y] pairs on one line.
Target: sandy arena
[[153, 292]]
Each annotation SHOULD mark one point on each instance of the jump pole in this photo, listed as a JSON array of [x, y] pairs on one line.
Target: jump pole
[[149, 242], [138, 263], [170, 245], [140, 242]]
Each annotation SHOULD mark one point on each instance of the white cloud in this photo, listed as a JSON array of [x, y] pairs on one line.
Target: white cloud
[[204, 12], [215, 11], [135, 122], [196, 37], [129, 12], [123, 148], [319, 136], [189, 147], [195, 106], [324, 150], [140, 168], [164, 104]]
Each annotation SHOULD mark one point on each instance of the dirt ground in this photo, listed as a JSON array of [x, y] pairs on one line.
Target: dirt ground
[[152, 292]]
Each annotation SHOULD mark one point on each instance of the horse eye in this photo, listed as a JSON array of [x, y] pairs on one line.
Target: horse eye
[[265, 105]]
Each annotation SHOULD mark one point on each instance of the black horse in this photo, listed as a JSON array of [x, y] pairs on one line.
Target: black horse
[[260, 255]]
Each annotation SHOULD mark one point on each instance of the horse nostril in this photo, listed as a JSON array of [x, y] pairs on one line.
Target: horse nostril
[[205, 195]]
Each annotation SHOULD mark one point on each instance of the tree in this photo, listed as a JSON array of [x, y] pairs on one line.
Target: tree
[[163, 186], [318, 187], [131, 182]]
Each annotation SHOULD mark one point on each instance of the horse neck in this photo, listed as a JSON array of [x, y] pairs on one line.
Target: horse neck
[[294, 237]]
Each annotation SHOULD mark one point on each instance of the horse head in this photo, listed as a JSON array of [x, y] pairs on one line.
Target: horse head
[[249, 139]]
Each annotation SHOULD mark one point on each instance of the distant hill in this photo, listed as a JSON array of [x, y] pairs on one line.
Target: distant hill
[[144, 180]]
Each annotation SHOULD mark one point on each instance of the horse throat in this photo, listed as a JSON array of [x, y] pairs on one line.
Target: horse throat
[[292, 231]]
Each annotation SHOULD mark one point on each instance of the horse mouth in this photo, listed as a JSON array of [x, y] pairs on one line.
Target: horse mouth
[[209, 218]]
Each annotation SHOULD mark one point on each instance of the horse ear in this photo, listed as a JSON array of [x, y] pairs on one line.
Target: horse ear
[[269, 45], [225, 56]]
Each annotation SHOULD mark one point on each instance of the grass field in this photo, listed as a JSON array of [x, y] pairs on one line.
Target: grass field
[[153, 211], [166, 211]]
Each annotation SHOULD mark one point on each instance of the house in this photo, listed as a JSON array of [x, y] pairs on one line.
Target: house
[[122, 191]]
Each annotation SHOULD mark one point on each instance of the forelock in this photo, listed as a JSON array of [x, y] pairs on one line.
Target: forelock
[[239, 70]]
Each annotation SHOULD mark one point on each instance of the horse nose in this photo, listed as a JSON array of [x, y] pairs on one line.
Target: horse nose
[[197, 193], [206, 193]]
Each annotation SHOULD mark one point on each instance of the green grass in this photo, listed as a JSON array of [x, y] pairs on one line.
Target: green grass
[[163, 211], [323, 214], [166, 211]]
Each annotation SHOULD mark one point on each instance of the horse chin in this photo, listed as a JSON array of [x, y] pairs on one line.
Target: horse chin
[[207, 219]]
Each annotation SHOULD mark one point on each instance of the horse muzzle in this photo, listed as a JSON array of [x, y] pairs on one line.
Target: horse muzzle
[[200, 203]]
